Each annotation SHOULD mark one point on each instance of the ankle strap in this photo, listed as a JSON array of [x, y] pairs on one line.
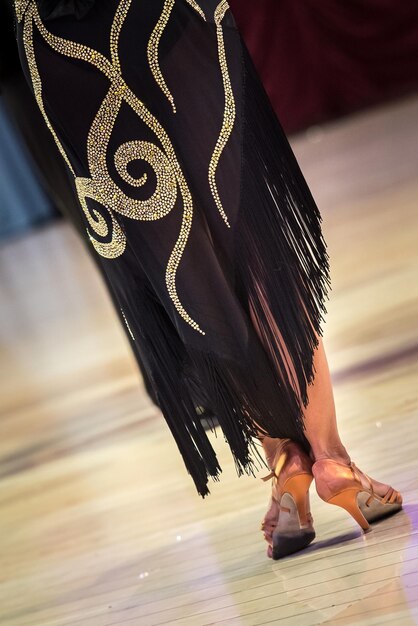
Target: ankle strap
[[271, 475], [355, 469]]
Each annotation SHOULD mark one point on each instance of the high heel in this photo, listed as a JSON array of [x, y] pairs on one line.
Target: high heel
[[345, 485], [290, 527]]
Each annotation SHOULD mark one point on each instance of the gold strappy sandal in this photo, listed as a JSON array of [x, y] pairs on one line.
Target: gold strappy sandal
[[350, 488], [288, 524]]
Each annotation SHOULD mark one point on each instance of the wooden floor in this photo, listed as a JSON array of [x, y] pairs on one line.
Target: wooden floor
[[99, 523]]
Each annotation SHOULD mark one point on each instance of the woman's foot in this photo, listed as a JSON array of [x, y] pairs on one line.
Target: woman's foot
[[344, 484], [288, 523]]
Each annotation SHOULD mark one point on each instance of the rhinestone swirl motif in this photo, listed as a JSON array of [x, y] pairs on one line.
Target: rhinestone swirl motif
[[20, 7], [229, 110], [100, 186], [152, 50], [196, 7]]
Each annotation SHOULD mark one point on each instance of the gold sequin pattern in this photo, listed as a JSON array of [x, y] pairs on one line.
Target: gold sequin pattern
[[37, 83], [109, 250], [197, 8], [127, 324], [229, 110], [152, 50], [20, 7], [162, 201], [100, 186], [115, 30]]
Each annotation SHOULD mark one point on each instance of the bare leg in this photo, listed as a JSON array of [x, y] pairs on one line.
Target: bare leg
[[321, 431], [321, 423], [271, 448], [320, 417]]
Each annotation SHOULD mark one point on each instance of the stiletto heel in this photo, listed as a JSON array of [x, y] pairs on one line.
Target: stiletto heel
[[345, 485], [297, 487], [292, 530], [347, 499]]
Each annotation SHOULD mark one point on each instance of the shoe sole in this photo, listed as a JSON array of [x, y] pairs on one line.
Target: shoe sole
[[376, 510], [289, 536], [283, 545], [354, 501]]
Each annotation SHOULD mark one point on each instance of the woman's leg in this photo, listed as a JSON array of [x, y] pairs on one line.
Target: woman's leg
[[320, 421], [319, 416]]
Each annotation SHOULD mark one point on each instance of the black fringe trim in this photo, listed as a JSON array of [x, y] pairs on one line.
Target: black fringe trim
[[280, 251]]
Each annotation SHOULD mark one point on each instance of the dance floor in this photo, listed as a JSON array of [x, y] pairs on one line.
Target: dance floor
[[100, 524]]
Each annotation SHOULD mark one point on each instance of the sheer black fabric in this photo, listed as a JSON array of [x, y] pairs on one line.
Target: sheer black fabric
[[53, 9], [167, 89]]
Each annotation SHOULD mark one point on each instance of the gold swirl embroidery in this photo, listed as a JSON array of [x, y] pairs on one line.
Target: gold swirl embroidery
[[196, 7], [229, 110], [20, 7], [163, 199], [85, 189], [100, 187], [36, 79], [152, 50], [154, 42], [127, 324], [115, 30]]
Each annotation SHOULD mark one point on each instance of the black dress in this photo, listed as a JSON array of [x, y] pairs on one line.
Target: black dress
[[192, 198]]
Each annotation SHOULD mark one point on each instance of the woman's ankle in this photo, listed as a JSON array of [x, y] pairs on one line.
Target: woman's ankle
[[337, 453], [272, 448]]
